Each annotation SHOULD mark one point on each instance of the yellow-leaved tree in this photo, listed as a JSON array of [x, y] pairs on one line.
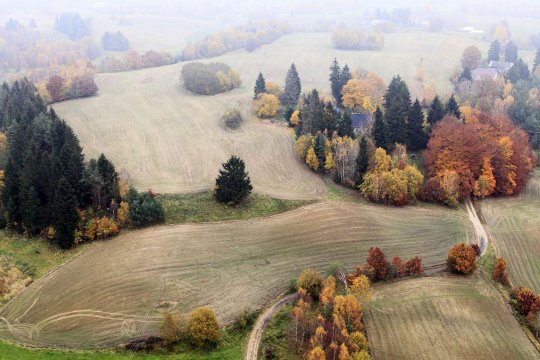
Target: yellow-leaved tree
[[203, 328], [266, 106], [361, 289], [311, 159]]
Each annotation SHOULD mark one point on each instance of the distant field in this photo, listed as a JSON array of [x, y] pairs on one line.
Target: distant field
[[111, 292], [443, 318], [171, 141], [514, 224]]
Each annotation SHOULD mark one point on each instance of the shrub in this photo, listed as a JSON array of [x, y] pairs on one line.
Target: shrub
[[310, 280], [232, 119], [266, 106], [413, 267], [377, 261], [144, 209], [500, 274], [203, 328], [114, 41], [170, 327], [233, 183], [525, 298], [209, 79], [461, 259]]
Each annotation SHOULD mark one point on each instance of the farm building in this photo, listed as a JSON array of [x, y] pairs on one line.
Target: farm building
[[360, 122], [493, 71]]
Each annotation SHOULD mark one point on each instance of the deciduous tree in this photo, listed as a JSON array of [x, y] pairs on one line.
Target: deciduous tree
[[203, 328]]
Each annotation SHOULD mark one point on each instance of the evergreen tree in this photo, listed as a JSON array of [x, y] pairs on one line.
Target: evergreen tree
[[64, 214], [344, 78], [362, 161], [417, 137], [436, 111], [379, 130], [293, 87], [319, 150], [452, 107], [537, 59], [288, 114], [109, 177], [523, 68], [260, 86], [330, 119], [397, 103], [494, 51], [345, 124], [143, 209], [466, 75], [511, 52], [311, 114], [335, 81], [233, 183]]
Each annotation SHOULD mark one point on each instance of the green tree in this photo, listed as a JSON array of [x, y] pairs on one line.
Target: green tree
[[293, 87], [397, 102], [344, 77], [416, 136], [233, 183], [260, 86], [436, 111], [144, 209], [64, 214], [466, 75], [494, 51], [362, 161], [320, 149], [311, 114], [109, 177], [511, 52], [335, 81], [379, 130], [345, 124], [452, 107]]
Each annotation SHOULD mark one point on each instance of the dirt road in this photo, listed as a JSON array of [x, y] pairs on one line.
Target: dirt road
[[481, 233]]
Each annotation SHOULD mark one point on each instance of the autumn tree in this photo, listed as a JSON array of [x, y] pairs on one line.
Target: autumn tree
[[471, 58], [461, 259], [524, 298], [494, 51], [203, 328], [266, 106], [328, 290], [414, 267], [310, 280], [485, 185], [317, 353], [500, 273], [364, 94], [378, 262], [233, 183], [170, 327], [361, 289], [260, 86], [293, 87]]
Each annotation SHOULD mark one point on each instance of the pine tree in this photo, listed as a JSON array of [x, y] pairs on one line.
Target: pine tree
[[109, 177], [436, 111], [293, 87], [362, 161], [494, 51], [397, 103], [260, 86], [320, 149], [64, 214], [523, 69], [330, 119], [335, 82], [345, 124], [537, 59], [417, 137], [311, 114], [452, 107], [344, 78], [466, 75], [511, 52], [233, 183], [379, 130]]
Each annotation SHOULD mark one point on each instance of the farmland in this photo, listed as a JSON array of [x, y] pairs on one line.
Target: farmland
[[443, 318], [515, 228], [228, 265]]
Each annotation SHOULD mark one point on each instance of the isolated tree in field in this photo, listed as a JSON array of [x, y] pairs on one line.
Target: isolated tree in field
[[379, 130], [170, 327], [378, 262], [436, 111], [510, 52], [293, 87], [362, 161], [461, 259], [233, 183], [452, 107], [64, 214], [416, 136], [203, 328], [260, 86], [344, 352], [500, 273], [471, 58], [494, 51], [310, 280]]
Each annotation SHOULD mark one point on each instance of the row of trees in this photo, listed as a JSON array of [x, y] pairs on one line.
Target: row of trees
[[209, 79], [202, 329], [73, 25], [346, 39], [133, 60], [114, 41]]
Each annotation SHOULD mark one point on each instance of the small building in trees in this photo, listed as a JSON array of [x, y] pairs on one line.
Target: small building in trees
[[482, 73], [360, 122], [502, 67]]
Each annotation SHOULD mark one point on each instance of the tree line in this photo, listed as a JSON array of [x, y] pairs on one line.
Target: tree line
[[209, 79]]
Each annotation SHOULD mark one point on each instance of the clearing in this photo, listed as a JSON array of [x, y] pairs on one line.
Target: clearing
[[443, 317], [112, 292]]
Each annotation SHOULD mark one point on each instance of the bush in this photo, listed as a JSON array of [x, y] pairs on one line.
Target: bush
[[266, 106], [524, 298], [209, 79], [310, 280], [114, 41], [461, 259], [233, 183], [500, 274], [377, 261], [203, 328], [170, 327], [232, 119], [144, 209]]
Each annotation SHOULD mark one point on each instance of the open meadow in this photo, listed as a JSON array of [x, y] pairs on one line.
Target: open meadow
[[443, 318], [114, 291], [514, 225]]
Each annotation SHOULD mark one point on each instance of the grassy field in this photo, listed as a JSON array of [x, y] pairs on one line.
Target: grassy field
[[514, 225], [112, 292], [443, 318], [171, 140]]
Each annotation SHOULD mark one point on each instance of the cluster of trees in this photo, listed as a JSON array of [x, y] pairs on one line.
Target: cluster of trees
[[202, 329], [12, 279], [232, 119], [144, 209], [346, 39], [462, 258], [133, 60], [338, 78], [266, 96], [248, 37], [72, 24], [233, 183], [209, 79], [527, 304], [327, 319], [59, 88], [364, 93], [114, 41], [377, 268], [482, 156]]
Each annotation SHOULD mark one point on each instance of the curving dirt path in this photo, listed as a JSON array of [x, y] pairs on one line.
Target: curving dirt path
[[256, 334], [481, 233]]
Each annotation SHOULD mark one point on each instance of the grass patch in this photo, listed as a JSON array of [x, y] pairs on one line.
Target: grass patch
[[232, 348], [275, 336], [201, 207], [487, 261]]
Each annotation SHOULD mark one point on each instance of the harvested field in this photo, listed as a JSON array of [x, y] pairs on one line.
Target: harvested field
[[444, 318], [112, 292], [514, 225]]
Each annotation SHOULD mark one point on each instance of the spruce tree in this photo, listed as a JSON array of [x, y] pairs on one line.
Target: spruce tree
[[537, 59], [494, 51], [64, 214], [362, 161], [233, 183], [379, 130], [417, 137], [523, 69], [436, 111], [293, 87], [109, 177], [335, 81], [344, 78], [345, 124], [319, 150], [452, 107], [511, 52], [330, 119], [288, 114], [260, 86], [311, 114], [397, 103], [466, 75]]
